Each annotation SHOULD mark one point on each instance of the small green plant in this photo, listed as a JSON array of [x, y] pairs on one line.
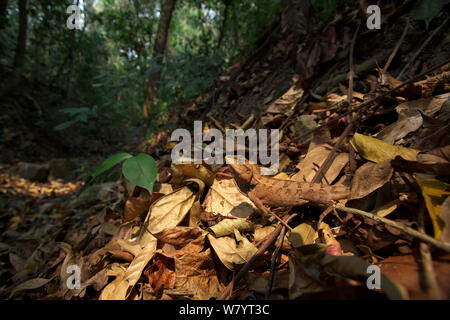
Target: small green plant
[[77, 116], [140, 170], [84, 172]]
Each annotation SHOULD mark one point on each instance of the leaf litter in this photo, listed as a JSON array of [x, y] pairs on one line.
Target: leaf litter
[[197, 236]]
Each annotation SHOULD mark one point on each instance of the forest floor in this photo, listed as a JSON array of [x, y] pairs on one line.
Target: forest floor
[[383, 134]]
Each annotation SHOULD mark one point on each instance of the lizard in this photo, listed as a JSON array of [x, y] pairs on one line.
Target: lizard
[[282, 193]]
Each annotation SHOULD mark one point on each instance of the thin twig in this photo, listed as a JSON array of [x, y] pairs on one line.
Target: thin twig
[[216, 123], [248, 122], [316, 96], [350, 80], [272, 264], [293, 112], [350, 97], [397, 46], [324, 167], [324, 214], [375, 99], [400, 75], [409, 231], [431, 286]]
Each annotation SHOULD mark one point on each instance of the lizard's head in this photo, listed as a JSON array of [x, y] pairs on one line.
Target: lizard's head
[[242, 173]]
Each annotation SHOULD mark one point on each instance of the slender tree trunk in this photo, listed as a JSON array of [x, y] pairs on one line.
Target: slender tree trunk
[[72, 49], [3, 21], [224, 24], [203, 36], [19, 58], [287, 3], [68, 86], [152, 86], [3, 7], [237, 41]]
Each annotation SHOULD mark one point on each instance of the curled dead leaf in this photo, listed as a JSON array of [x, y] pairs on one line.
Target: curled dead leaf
[[232, 250], [369, 177]]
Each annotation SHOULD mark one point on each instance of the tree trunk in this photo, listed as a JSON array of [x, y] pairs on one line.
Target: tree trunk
[[237, 42], [3, 20], [19, 58], [3, 7], [203, 36], [72, 49], [224, 24], [151, 92]]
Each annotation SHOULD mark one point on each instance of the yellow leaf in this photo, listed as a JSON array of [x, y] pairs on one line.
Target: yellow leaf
[[434, 192], [196, 171], [302, 235], [196, 209], [387, 208], [314, 159], [445, 215], [282, 176], [116, 290], [170, 210], [232, 250], [171, 144], [224, 197], [376, 150], [227, 226]]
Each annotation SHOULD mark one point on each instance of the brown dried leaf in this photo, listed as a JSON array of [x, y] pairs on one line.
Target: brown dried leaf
[[170, 210], [350, 267], [406, 270], [161, 274], [369, 177], [314, 159], [179, 236], [29, 285], [225, 198], [136, 206], [232, 251], [196, 171]]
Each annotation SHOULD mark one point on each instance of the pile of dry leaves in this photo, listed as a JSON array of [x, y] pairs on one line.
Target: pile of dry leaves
[[200, 236]]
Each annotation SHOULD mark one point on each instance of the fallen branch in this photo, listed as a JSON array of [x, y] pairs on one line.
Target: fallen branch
[[272, 264], [431, 286], [394, 52], [352, 69], [364, 67], [324, 167], [216, 123], [409, 231], [375, 99], [400, 75]]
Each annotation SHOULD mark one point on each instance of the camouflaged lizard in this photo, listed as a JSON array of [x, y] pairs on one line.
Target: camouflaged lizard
[[283, 193]]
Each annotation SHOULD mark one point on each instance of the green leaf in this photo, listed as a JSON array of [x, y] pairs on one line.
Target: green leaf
[[427, 10], [109, 163], [65, 125], [324, 8], [141, 170], [74, 111]]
